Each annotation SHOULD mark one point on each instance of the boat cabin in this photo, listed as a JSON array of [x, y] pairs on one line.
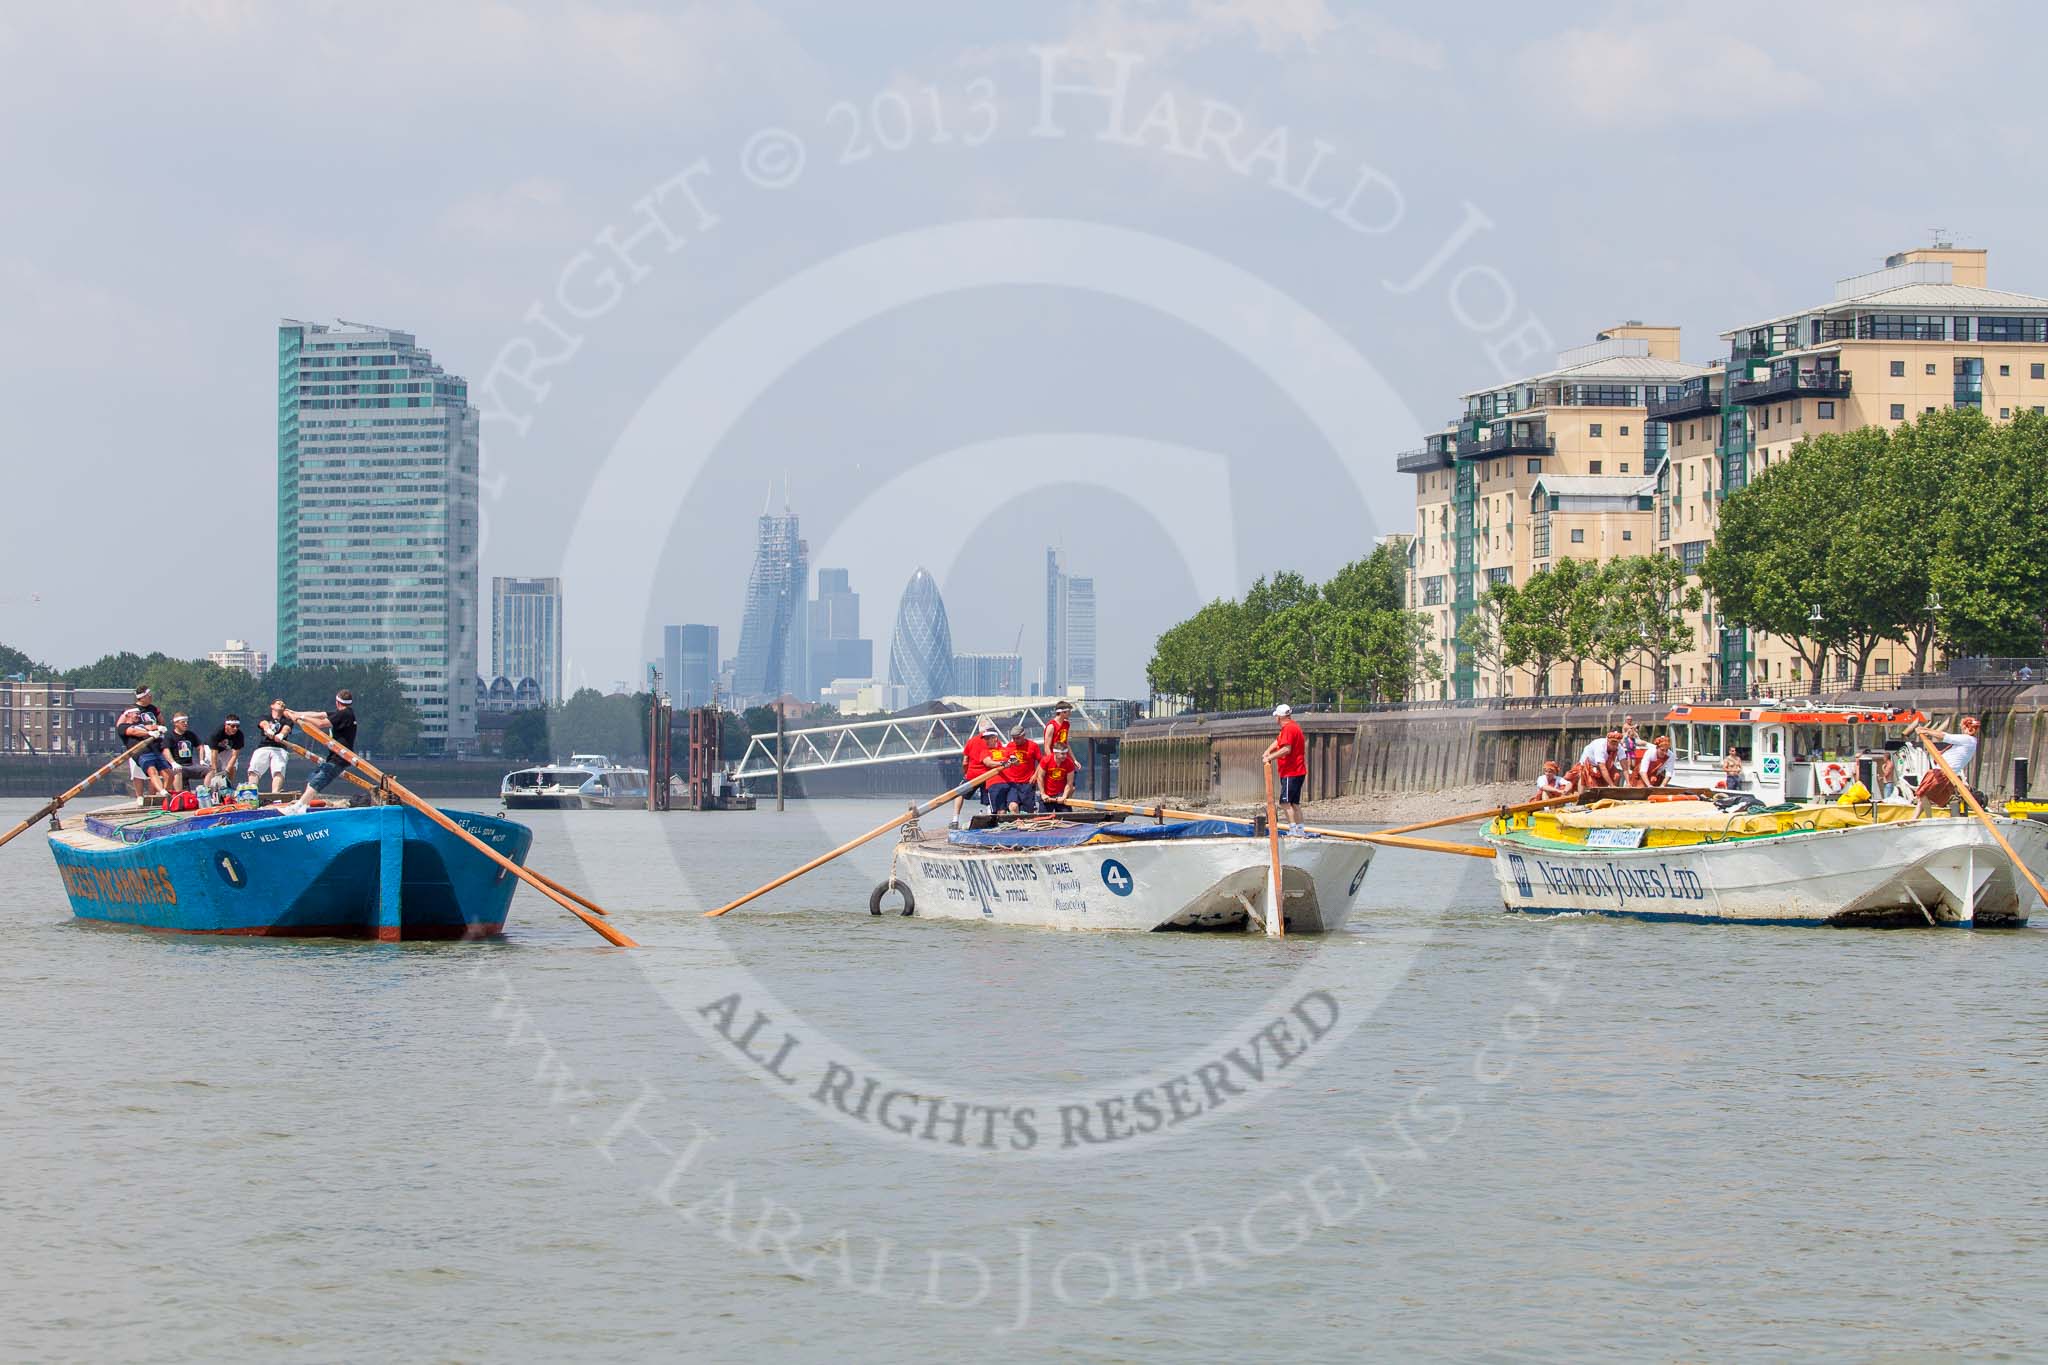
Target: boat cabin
[[1790, 751]]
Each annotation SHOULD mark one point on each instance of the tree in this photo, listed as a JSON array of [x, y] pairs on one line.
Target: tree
[[1551, 620], [1482, 633], [1641, 613], [1379, 582], [15, 664], [1991, 539], [1269, 598], [526, 736], [1207, 658]]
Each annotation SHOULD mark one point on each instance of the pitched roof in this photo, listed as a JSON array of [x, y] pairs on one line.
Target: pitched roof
[[1943, 298], [1621, 367]]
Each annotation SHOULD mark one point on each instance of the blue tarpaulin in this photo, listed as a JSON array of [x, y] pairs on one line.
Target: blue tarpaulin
[[1065, 836]]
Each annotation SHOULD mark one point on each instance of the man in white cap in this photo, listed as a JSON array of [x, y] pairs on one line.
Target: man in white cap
[[1289, 755], [977, 759]]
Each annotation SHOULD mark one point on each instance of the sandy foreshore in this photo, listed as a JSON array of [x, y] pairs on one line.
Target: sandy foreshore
[[1395, 808]]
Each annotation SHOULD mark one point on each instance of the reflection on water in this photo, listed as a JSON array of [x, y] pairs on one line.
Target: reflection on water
[[1557, 1137]]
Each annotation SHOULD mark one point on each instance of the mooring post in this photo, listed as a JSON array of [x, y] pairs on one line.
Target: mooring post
[[778, 754]]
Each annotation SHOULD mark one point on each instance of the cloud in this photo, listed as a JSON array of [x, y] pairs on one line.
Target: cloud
[[1660, 72], [534, 211]]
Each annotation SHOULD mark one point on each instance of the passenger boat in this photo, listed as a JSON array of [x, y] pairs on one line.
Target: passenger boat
[[1082, 873], [1783, 850], [580, 782], [376, 872]]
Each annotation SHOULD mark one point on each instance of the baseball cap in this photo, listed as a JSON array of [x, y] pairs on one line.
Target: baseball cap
[[1283, 709]]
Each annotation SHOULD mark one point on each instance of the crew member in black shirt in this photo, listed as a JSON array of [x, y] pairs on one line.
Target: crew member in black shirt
[[271, 756], [339, 723], [186, 753], [226, 745], [144, 721]]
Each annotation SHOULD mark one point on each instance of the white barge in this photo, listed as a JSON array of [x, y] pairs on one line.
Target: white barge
[[1133, 875], [1822, 830]]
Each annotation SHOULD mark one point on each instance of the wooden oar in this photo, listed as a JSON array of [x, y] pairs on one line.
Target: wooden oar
[[1276, 909], [393, 786], [895, 822], [1970, 800], [1490, 813], [1357, 836], [51, 806]]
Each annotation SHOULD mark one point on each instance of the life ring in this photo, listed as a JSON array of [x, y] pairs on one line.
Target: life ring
[[882, 889], [1834, 779]]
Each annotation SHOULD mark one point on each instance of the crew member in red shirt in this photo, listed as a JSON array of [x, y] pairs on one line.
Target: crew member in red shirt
[[1019, 790], [1056, 778], [975, 757], [1289, 755], [1056, 729]]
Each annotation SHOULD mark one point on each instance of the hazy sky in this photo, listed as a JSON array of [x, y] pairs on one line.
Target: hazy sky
[[1172, 296]]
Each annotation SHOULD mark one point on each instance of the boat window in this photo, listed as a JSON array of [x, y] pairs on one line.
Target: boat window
[[1839, 741], [1774, 739], [1806, 742], [1707, 741]]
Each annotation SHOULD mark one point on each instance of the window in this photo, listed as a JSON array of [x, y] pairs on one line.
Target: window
[[2005, 371], [1961, 328], [1898, 369], [1535, 466], [1898, 412], [1763, 419], [1930, 367], [1579, 536], [1594, 466], [1796, 414], [1692, 431], [1884, 668], [2012, 329], [1592, 428], [1902, 327], [1627, 534], [1825, 409], [1624, 466], [2034, 371], [1433, 591], [1624, 431], [2004, 413], [1842, 669]]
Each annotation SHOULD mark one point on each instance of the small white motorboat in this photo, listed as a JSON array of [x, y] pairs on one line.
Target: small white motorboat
[[1135, 874]]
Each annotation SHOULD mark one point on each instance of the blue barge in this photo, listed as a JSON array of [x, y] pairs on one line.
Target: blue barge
[[373, 872]]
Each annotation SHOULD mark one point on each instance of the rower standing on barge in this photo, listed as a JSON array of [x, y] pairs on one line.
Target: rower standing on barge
[[1960, 749], [341, 724]]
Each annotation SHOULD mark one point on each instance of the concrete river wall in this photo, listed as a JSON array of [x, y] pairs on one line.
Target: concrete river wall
[[1216, 758]]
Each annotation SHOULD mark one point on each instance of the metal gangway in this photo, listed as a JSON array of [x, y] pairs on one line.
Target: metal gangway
[[943, 734]]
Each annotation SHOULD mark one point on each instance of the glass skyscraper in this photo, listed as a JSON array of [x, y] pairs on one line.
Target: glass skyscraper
[[921, 654], [775, 634], [690, 659], [526, 633], [377, 516]]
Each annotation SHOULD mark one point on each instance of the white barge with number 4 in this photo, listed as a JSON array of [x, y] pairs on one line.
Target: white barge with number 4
[[1139, 875]]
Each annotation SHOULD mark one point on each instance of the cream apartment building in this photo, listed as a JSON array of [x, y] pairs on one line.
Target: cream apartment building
[[1927, 331], [1560, 464]]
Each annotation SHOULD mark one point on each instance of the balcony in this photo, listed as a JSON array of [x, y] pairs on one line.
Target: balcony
[[1508, 438], [1423, 461], [1791, 382], [1697, 398]]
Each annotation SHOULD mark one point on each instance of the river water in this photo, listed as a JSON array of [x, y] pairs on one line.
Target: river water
[[1443, 1132]]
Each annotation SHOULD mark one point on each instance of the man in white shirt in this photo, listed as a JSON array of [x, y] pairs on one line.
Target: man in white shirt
[[1960, 749]]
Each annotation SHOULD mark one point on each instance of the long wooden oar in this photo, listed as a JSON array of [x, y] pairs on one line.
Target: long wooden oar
[[895, 822], [539, 876], [393, 786], [51, 806], [1276, 909], [1357, 836], [1490, 813], [1970, 800]]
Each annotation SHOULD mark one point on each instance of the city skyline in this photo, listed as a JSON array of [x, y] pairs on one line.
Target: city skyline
[[1445, 283]]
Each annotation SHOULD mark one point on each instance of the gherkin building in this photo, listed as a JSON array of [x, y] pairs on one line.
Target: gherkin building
[[921, 655]]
